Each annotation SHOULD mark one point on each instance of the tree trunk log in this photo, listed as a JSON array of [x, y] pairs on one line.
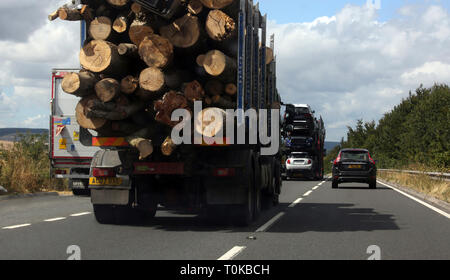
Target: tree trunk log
[[183, 32], [210, 122], [53, 16], [82, 118], [231, 89], [121, 24], [69, 14], [112, 111], [101, 29], [216, 4], [107, 89], [144, 146], [217, 64], [139, 29], [156, 51], [194, 91], [102, 57], [129, 85], [128, 50], [168, 147], [269, 55], [195, 7], [220, 26], [151, 82], [79, 84], [169, 103], [118, 3]]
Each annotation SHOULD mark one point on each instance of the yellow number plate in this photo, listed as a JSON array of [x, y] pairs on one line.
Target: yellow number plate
[[95, 181], [355, 167]]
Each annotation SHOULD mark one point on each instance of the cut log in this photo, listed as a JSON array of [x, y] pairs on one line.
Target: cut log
[[216, 4], [83, 120], [168, 147], [53, 16], [210, 122], [269, 55], [175, 77], [152, 80], [200, 60], [156, 51], [194, 91], [69, 14], [139, 29], [102, 57], [79, 84], [231, 89], [120, 24], [129, 85], [220, 26], [107, 89], [118, 3], [112, 111], [222, 102], [128, 50], [217, 64], [214, 87], [170, 102], [183, 32], [195, 7], [101, 28], [144, 146], [136, 9]]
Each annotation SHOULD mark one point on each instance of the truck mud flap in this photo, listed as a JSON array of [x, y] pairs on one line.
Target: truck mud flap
[[110, 197]]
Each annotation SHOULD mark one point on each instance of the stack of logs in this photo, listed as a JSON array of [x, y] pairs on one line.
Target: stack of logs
[[138, 67]]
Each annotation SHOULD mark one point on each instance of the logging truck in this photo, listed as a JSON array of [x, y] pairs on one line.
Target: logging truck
[[175, 94]]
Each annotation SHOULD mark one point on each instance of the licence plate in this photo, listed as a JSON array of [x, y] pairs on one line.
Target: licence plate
[[355, 166], [112, 181]]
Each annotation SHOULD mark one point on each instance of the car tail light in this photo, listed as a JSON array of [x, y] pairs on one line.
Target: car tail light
[[288, 161], [307, 115], [337, 160], [309, 161], [103, 172], [224, 172]]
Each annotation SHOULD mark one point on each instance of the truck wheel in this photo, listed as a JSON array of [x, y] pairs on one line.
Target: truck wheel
[[335, 184], [373, 184], [242, 215], [104, 214], [81, 192]]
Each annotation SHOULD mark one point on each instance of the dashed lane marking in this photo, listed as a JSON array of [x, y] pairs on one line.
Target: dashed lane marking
[[233, 253], [17, 226], [270, 223]]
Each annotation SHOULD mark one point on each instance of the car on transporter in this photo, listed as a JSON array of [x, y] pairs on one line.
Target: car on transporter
[[299, 165], [354, 166]]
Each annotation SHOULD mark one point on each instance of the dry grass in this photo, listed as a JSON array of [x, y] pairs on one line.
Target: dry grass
[[25, 168], [439, 189], [7, 145]]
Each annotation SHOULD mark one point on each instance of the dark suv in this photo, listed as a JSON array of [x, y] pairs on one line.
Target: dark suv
[[354, 165]]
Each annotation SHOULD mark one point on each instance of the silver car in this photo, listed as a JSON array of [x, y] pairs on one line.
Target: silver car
[[299, 165]]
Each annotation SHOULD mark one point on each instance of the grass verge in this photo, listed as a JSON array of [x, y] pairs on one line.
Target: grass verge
[[439, 189]]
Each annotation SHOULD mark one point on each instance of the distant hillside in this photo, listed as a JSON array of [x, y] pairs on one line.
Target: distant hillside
[[329, 145], [11, 134]]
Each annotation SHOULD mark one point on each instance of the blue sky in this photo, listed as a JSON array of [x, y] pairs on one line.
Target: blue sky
[[289, 11]]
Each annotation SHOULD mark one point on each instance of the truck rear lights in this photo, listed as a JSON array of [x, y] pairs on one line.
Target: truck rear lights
[[60, 172], [224, 172], [103, 172]]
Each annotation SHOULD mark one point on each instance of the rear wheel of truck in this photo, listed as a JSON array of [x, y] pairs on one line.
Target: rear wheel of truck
[[242, 215], [373, 184], [335, 184], [104, 214]]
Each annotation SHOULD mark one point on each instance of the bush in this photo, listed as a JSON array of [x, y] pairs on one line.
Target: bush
[[25, 167]]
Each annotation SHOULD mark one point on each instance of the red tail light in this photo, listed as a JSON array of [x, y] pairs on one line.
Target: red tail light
[[308, 115], [337, 160], [224, 172], [288, 161], [103, 172], [309, 161], [60, 172]]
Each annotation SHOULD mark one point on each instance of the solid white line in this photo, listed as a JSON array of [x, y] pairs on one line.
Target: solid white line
[[55, 219], [295, 202], [267, 225], [17, 226], [307, 193], [232, 253], [445, 214], [80, 214]]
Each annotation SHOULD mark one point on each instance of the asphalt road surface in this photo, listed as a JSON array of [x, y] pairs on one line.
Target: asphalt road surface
[[313, 221]]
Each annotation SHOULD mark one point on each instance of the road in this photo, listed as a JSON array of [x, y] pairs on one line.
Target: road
[[313, 221]]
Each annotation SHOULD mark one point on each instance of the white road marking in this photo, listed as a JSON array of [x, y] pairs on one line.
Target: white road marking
[[445, 214], [17, 226], [307, 193], [80, 214], [232, 253], [55, 219], [272, 221], [316, 187], [295, 203]]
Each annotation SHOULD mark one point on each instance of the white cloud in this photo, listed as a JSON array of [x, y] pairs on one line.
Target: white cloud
[[351, 66]]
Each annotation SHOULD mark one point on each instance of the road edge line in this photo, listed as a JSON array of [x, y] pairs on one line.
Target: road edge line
[[435, 209]]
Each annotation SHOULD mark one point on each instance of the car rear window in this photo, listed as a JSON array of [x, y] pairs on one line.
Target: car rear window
[[355, 155], [305, 155], [301, 110]]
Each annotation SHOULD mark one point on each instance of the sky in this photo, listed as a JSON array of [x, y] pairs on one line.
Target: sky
[[347, 59]]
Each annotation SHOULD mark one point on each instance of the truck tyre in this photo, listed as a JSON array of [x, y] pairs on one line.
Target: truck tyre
[[104, 214], [267, 197], [81, 192], [373, 184], [242, 215], [335, 184]]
